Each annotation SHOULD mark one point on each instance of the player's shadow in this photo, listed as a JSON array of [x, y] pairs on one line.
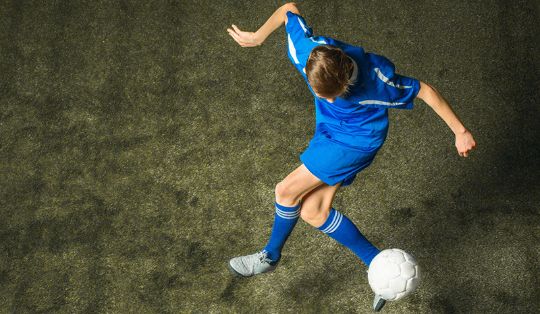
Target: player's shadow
[[314, 290], [494, 200]]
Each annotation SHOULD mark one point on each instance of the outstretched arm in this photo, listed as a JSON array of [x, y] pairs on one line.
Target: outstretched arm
[[252, 39], [464, 139]]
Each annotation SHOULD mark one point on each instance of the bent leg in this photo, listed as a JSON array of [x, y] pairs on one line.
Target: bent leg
[[317, 211], [317, 203], [291, 190], [289, 193]]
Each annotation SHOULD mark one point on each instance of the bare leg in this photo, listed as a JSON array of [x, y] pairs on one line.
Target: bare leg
[[291, 190], [289, 193], [317, 211], [316, 204]]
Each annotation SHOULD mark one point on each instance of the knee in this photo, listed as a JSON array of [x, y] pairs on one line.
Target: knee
[[285, 195]]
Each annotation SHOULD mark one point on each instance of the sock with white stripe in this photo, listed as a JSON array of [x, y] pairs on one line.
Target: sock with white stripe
[[285, 219], [341, 229]]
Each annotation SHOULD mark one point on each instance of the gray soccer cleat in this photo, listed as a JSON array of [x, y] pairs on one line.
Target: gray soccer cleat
[[378, 303], [249, 265]]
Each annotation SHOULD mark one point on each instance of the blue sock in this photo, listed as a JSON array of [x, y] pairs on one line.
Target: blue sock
[[285, 219], [341, 229]]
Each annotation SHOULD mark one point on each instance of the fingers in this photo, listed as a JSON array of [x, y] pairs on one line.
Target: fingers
[[236, 29], [244, 39], [234, 34], [464, 153], [463, 150], [465, 144]]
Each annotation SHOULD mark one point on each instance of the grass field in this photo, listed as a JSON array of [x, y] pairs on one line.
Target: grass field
[[140, 147]]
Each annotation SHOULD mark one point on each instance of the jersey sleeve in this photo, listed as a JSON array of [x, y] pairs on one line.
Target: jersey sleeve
[[300, 40], [391, 90]]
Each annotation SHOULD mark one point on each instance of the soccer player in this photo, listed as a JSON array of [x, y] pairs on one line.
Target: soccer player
[[353, 91]]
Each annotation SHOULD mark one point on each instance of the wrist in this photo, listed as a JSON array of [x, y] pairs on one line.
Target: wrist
[[460, 131], [258, 37]]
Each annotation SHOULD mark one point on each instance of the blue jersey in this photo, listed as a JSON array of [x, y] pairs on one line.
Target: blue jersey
[[359, 119]]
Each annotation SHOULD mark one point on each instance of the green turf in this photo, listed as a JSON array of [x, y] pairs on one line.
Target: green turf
[[140, 147]]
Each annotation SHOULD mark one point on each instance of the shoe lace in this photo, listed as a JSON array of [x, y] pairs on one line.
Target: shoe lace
[[263, 257]]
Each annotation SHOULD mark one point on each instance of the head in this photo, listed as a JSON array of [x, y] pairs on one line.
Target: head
[[329, 70]]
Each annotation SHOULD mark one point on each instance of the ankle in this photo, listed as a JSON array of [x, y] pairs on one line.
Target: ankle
[[273, 256]]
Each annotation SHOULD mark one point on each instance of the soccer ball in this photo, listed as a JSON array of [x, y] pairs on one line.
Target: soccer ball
[[393, 274]]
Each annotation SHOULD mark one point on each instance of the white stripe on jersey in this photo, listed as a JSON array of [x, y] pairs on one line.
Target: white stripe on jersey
[[383, 78], [378, 102], [292, 50], [318, 41], [302, 24], [305, 32]]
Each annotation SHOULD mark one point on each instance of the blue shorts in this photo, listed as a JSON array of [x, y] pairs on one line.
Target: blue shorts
[[333, 162]]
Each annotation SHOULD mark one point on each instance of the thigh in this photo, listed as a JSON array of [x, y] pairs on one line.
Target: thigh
[[298, 183], [320, 198]]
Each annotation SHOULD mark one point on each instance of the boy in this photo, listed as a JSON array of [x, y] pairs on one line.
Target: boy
[[353, 91]]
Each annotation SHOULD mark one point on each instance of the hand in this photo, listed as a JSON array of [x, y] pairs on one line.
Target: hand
[[464, 143], [244, 39]]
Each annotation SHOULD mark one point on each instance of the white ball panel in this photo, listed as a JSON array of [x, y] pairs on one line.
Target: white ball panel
[[407, 270], [379, 283], [400, 295], [412, 284], [398, 284], [387, 294], [410, 258], [385, 253], [392, 270], [396, 257]]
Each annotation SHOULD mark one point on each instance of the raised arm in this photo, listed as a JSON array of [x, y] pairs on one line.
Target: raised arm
[[252, 39], [464, 139]]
